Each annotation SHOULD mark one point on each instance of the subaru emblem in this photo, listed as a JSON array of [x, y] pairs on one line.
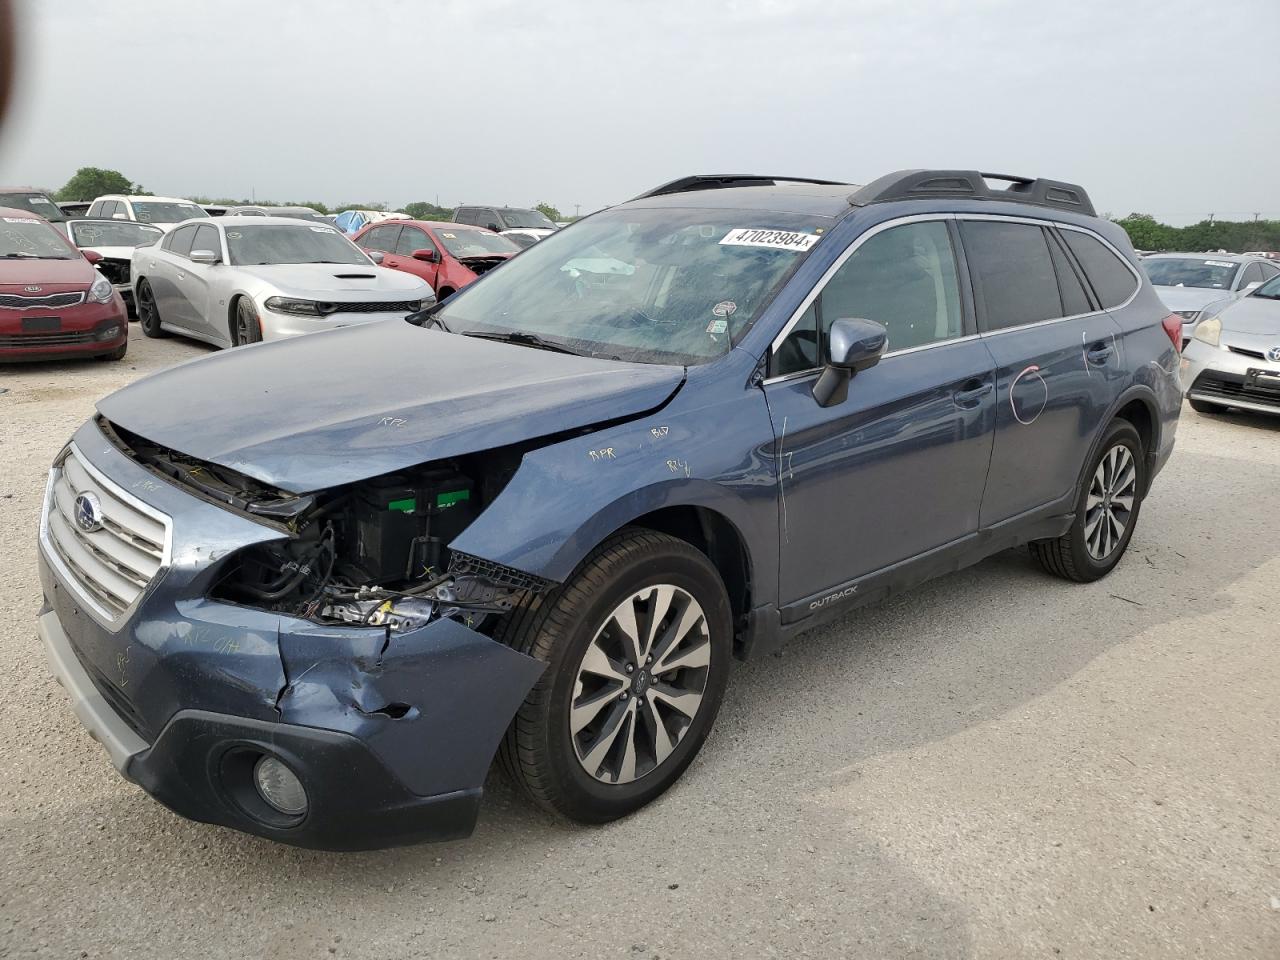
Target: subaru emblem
[[1274, 354], [88, 512], [33, 289]]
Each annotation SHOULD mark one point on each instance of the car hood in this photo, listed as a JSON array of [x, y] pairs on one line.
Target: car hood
[[323, 280], [1190, 298], [1256, 316], [319, 411], [24, 272], [112, 253]]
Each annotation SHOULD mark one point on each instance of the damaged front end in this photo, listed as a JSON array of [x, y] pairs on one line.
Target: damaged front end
[[332, 634], [369, 554]]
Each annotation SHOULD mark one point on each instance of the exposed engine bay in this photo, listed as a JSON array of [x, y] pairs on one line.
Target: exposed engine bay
[[479, 265], [373, 553], [115, 269]]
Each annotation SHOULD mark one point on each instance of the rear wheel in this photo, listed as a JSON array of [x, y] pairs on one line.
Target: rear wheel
[[1202, 406], [248, 329], [637, 646], [148, 314], [1106, 510]]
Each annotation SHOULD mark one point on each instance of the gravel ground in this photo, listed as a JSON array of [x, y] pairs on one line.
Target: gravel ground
[[996, 765]]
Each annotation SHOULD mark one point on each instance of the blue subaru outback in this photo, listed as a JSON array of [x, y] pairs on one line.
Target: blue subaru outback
[[310, 589]]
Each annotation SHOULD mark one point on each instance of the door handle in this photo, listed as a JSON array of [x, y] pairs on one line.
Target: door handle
[[182, 276], [1099, 353], [971, 393]]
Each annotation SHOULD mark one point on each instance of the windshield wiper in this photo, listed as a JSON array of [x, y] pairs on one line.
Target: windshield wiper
[[524, 340]]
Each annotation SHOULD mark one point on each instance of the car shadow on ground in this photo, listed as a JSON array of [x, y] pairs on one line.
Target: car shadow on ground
[[751, 816]]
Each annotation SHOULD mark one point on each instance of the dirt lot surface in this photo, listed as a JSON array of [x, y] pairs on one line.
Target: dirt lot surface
[[997, 765]]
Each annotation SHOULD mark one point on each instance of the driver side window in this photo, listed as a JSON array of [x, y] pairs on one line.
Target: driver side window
[[904, 278]]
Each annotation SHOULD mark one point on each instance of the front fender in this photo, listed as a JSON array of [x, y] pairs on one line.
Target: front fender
[[710, 452]]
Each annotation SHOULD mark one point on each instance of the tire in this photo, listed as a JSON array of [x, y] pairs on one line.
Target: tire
[[246, 327], [148, 312], [118, 353], [574, 629], [444, 294], [1091, 548], [1203, 406]]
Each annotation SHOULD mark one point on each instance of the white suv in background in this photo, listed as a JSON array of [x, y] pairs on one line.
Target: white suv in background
[[163, 212]]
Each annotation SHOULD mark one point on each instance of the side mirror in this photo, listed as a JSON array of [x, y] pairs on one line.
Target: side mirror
[[204, 256], [495, 228], [119, 216], [1250, 287], [93, 256], [852, 345], [377, 256], [426, 256]]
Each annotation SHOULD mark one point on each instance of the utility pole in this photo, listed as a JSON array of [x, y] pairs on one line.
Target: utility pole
[[576, 207]]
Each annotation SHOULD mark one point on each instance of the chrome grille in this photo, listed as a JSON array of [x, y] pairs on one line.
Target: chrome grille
[[111, 566], [16, 301]]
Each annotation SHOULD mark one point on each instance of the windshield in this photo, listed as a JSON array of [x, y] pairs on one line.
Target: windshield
[[151, 211], [476, 243], [526, 218], [290, 243], [648, 285], [1269, 290], [112, 233], [33, 203], [1190, 272], [22, 238]]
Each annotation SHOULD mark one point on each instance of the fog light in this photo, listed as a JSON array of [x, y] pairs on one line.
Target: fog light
[[108, 333], [280, 786]]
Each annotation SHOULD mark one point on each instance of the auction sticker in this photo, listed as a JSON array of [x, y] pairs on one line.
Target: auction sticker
[[1218, 263], [21, 220], [771, 239]]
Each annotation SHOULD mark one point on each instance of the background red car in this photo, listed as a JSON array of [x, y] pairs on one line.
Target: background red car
[[446, 255], [53, 303]]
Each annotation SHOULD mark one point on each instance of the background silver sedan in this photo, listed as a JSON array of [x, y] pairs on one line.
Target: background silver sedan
[[1233, 359], [238, 280]]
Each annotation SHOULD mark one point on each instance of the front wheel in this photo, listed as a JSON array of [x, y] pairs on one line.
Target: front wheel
[[1107, 509], [248, 329], [637, 645]]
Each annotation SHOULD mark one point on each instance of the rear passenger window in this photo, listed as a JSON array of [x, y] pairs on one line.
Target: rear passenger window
[[1074, 299], [1013, 276], [1252, 274], [180, 240], [1112, 280]]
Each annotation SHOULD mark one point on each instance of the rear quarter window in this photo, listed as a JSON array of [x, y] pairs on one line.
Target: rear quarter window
[[1111, 278]]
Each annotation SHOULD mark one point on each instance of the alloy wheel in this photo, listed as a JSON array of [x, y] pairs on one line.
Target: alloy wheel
[[1109, 503], [640, 684]]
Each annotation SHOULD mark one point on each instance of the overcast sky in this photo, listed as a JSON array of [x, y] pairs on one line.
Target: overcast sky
[[1162, 106]]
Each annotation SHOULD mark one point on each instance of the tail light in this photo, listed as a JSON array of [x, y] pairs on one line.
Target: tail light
[[1173, 328]]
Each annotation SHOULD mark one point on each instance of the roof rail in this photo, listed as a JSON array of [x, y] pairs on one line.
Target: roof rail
[[925, 184], [711, 181]]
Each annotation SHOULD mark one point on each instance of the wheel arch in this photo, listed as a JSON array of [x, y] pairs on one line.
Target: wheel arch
[[1138, 406]]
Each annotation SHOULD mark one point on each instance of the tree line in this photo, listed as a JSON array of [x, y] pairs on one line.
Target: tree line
[[89, 183]]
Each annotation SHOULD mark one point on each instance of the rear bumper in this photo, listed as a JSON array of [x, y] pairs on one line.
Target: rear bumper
[[196, 768]]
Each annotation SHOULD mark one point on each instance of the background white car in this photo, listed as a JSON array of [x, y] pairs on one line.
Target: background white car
[[238, 280], [163, 212], [114, 241]]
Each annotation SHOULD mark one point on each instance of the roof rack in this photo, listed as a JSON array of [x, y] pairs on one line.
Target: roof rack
[[971, 184], [712, 181]]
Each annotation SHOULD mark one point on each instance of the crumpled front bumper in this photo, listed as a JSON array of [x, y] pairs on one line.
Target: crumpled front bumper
[[391, 734]]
